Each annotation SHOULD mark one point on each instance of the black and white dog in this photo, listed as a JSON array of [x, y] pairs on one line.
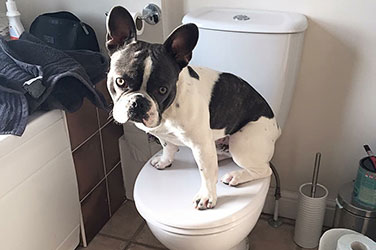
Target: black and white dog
[[153, 86]]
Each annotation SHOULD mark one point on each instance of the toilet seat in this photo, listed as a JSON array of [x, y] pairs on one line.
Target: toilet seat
[[165, 198]]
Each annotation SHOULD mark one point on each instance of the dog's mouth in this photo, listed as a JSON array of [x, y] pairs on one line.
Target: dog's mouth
[[152, 119], [144, 111]]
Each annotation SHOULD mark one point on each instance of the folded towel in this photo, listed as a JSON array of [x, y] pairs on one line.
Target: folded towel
[[46, 78], [13, 108]]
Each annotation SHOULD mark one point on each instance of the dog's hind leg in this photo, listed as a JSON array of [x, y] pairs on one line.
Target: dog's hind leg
[[222, 148], [252, 148]]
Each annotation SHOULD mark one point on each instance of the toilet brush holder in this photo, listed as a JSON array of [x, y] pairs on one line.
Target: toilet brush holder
[[310, 216]]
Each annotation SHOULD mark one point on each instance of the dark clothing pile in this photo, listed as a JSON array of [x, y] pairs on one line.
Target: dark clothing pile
[[35, 76]]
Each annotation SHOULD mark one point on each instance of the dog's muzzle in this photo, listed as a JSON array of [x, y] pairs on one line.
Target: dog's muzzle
[[138, 110]]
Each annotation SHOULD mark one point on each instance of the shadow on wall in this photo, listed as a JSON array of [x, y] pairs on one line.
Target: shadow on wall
[[318, 110], [90, 12]]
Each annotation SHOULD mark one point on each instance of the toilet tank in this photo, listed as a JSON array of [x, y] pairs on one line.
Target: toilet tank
[[262, 47]]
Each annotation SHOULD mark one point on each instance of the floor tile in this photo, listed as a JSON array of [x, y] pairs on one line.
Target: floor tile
[[124, 223], [147, 237], [105, 243], [134, 246], [95, 211], [264, 237]]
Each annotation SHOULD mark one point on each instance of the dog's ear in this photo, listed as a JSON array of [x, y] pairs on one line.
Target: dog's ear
[[181, 42], [120, 29]]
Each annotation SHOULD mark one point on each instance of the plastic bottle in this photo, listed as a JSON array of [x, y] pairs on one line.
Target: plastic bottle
[[15, 26]]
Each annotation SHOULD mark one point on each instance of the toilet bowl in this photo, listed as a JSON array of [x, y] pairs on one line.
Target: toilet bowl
[[164, 200]]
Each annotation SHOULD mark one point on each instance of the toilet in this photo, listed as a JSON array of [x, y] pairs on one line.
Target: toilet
[[264, 48]]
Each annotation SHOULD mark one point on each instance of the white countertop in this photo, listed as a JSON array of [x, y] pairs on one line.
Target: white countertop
[[37, 122]]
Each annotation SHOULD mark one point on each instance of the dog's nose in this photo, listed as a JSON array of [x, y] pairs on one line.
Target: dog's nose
[[139, 109]]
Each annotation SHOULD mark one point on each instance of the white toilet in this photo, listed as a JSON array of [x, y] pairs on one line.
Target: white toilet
[[264, 48]]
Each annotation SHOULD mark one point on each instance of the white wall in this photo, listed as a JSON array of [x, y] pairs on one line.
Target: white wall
[[333, 109], [90, 12], [2, 12], [2, 6]]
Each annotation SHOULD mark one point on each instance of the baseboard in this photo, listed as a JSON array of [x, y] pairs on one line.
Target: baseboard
[[288, 206]]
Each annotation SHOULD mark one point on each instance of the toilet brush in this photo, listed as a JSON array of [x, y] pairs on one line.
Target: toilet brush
[[311, 210], [315, 175]]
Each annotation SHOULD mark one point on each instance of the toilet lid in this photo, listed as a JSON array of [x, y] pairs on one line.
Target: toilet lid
[[165, 197]]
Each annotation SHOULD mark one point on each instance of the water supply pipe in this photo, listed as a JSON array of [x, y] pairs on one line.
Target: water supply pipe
[[275, 221]]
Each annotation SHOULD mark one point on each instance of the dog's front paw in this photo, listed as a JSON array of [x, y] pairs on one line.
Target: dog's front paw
[[204, 200], [159, 163]]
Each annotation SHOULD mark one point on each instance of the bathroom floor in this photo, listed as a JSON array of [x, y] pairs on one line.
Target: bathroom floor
[[126, 230]]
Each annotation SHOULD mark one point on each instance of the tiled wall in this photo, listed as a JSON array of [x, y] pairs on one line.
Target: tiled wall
[[94, 140]]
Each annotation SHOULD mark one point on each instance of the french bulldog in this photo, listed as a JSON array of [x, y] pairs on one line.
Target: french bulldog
[[153, 86]]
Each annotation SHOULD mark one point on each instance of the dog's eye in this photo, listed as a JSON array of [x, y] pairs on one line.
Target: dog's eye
[[120, 81], [163, 90]]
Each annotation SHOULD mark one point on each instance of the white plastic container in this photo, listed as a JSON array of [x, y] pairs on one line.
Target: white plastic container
[[15, 26], [135, 150], [310, 217]]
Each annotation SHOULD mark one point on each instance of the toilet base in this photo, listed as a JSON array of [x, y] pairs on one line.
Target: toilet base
[[243, 245]]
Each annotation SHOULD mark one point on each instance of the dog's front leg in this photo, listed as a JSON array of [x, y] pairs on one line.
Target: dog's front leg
[[164, 160], [206, 159]]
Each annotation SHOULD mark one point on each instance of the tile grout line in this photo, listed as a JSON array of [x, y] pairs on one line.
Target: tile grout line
[[104, 164], [127, 246], [109, 120], [116, 238], [112, 170], [132, 239], [146, 245], [86, 140], [100, 182], [138, 231], [92, 190], [113, 237], [90, 136]]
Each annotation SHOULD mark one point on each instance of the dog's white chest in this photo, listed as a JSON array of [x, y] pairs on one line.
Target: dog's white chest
[[166, 131]]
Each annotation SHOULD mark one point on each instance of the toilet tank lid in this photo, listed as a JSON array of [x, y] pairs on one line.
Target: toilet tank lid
[[251, 21]]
